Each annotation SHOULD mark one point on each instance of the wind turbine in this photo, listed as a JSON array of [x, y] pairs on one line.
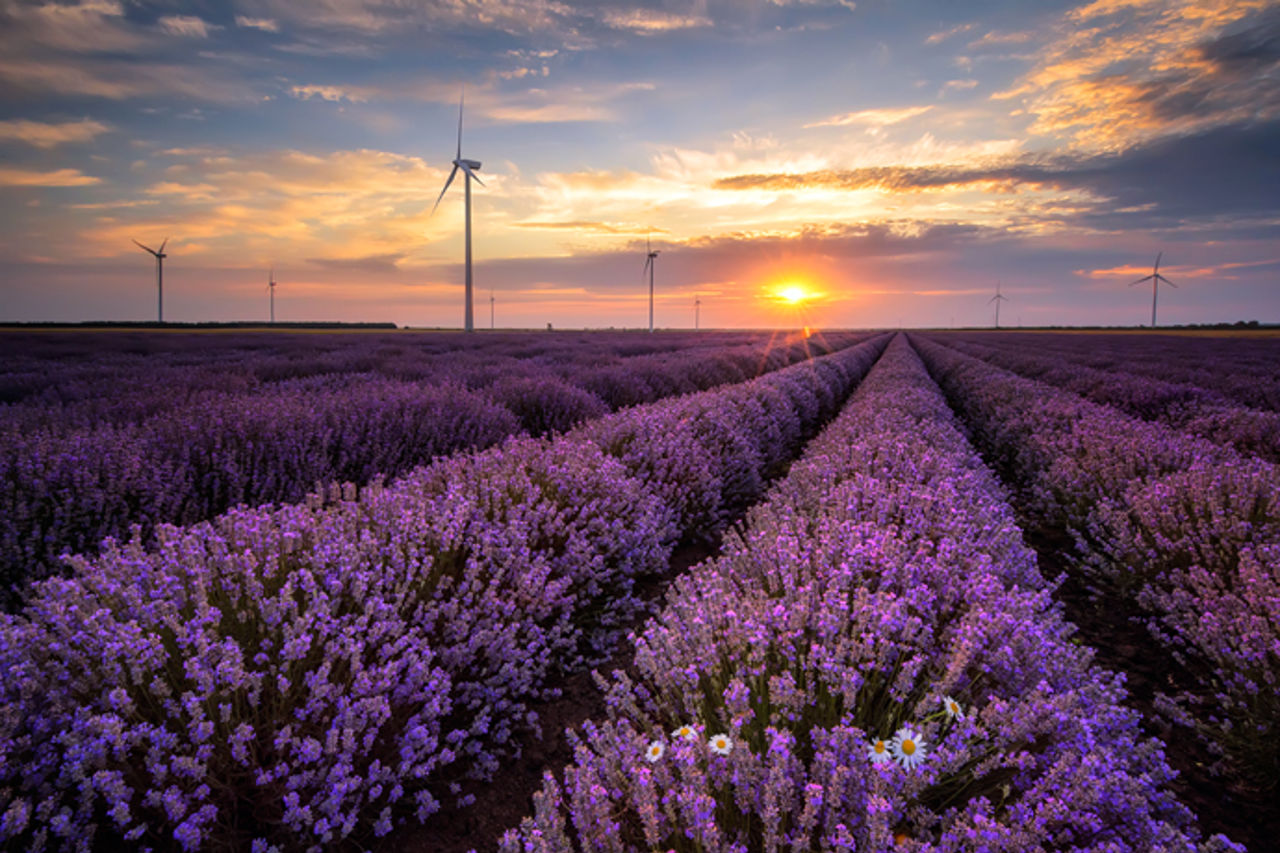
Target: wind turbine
[[697, 310], [648, 267], [997, 299], [160, 256], [469, 168], [491, 309], [1155, 278], [271, 287]]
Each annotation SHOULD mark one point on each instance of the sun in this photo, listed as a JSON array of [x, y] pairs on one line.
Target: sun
[[793, 293]]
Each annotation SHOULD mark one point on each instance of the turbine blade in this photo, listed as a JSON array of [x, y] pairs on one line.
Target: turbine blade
[[648, 262], [461, 97], [446, 187], [140, 246], [1166, 281], [1158, 257], [1141, 280], [161, 249]]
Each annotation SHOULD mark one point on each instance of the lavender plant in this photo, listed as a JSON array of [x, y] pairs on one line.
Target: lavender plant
[[875, 662], [310, 675], [1173, 522]]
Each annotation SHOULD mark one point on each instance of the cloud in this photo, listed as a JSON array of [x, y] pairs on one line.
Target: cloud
[[586, 226], [872, 118], [265, 24], [1120, 72], [1164, 182], [187, 26], [57, 178], [369, 263], [45, 135], [117, 81], [326, 93], [939, 37], [646, 21]]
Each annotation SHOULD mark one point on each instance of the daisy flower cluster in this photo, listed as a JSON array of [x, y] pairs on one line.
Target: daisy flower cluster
[[1185, 530], [310, 675], [882, 587]]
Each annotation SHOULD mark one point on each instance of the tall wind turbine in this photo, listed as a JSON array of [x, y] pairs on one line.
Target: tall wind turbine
[[697, 310], [491, 309], [160, 256], [648, 267], [271, 287], [1155, 278], [997, 299], [469, 168]]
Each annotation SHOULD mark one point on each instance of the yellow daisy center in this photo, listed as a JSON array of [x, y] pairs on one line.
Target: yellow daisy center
[[908, 747], [879, 746]]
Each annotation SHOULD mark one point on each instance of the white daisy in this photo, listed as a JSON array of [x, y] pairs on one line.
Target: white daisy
[[878, 751], [721, 744], [684, 733], [954, 709], [908, 747], [655, 751]]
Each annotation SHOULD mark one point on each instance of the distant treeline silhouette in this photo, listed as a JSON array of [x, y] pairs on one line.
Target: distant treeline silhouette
[[234, 324]]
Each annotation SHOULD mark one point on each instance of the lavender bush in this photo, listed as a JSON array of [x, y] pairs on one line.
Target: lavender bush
[[1173, 522], [875, 662], [311, 675]]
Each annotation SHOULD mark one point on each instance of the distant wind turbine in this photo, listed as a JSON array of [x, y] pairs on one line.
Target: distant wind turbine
[[469, 168], [160, 256], [491, 310], [997, 299], [648, 267], [1155, 278], [271, 287], [697, 311]]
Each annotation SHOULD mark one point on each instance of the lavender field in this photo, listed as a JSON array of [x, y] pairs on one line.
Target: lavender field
[[856, 591]]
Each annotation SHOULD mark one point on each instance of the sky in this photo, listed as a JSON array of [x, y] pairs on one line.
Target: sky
[[889, 162]]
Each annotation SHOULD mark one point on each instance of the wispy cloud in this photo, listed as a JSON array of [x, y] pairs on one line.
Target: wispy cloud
[[872, 118], [57, 178], [187, 26], [48, 135], [1117, 72], [327, 93], [265, 24]]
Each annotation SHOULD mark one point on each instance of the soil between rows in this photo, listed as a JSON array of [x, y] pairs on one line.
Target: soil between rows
[[501, 803]]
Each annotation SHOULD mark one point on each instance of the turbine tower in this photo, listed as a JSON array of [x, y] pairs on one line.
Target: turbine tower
[[469, 168], [271, 287], [491, 309], [160, 256], [1155, 278], [997, 299], [697, 310], [648, 267]]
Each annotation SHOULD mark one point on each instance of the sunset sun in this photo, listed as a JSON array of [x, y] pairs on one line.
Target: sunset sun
[[794, 293]]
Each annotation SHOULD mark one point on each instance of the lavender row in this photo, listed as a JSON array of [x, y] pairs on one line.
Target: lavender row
[[84, 381], [1243, 369], [1189, 408], [875, 662], [1188, 530], [311, 675], [63, 492]]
